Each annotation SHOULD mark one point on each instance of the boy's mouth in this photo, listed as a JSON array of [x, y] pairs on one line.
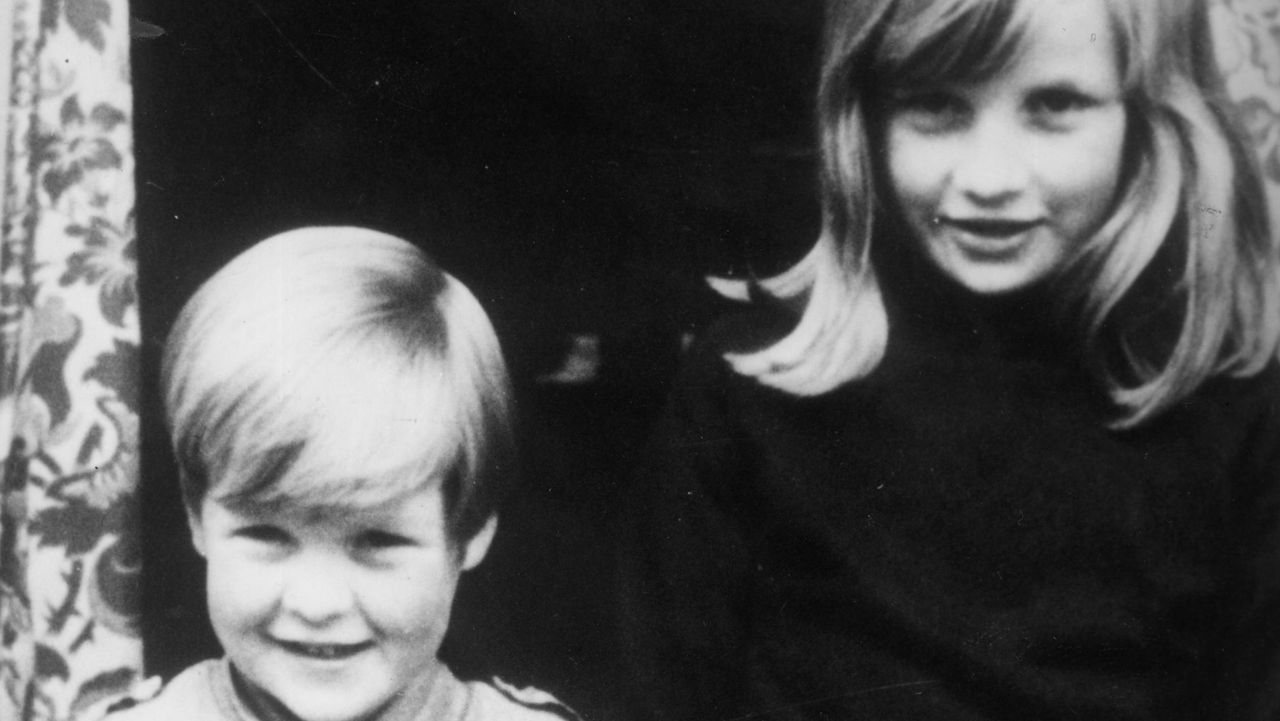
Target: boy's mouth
[[325, 651]]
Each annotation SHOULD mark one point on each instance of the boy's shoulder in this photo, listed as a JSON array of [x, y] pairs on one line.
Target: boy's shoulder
[[203, 693], [499, 701], [192, 695]]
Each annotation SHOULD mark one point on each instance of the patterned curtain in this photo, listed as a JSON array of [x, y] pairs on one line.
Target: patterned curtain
[[1248, 45], [69, 560]]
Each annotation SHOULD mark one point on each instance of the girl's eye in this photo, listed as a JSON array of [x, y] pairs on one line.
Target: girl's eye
[[931, 111], [264, 534], [1056, 104]]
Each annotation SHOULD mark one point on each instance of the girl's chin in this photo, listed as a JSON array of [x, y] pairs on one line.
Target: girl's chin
[[992, 278], [993, 266]]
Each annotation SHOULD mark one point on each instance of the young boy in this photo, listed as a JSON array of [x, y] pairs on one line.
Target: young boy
[[341, 416]]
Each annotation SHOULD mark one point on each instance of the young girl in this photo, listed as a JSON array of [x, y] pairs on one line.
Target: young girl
[[1006, 443]]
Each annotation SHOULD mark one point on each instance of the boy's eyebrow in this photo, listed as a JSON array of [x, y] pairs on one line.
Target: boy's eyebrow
[[247, 507], [260, 511], [900, 91]]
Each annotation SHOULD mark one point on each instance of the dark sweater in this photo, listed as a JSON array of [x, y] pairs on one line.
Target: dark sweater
[[956, 536]]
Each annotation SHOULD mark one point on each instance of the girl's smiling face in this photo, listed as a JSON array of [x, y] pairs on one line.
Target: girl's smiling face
[[1002, 179], [334, 615]]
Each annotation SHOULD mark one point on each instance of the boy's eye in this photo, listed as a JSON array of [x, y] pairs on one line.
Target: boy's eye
[[262, 533], [381, 541]]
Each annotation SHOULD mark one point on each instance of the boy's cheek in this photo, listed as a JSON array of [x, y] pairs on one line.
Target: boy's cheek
[[234, 583], [410, 603]]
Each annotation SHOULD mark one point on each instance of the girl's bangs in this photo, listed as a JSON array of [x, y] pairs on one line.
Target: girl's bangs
[[925, 42]]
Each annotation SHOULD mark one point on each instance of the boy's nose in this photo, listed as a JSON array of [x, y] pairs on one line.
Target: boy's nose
[[991, 168], [316, 592]]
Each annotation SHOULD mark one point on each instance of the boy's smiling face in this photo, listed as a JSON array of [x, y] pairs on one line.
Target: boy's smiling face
[[334, 615]]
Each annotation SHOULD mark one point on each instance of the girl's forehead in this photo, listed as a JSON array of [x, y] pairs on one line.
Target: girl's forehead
[[1067, 26], [1067, 41], [977, 40]]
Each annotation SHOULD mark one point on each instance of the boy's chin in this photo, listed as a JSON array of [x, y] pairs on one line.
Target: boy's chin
[[271, 708], [288, 700]]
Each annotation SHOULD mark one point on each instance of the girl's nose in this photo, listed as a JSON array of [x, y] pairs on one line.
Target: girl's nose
[[317, 591], [991, 169]]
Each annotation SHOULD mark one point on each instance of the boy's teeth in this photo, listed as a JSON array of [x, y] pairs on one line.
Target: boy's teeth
[[325, 651]]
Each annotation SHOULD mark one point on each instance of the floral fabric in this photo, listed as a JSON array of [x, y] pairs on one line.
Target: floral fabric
[[1248, 44], [68, 363]]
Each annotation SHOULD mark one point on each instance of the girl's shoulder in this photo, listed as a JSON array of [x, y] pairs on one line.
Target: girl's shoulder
[[747, 327], [1260, 395], [1256, 395], [736, 328], [706, 387], [1232, 417]]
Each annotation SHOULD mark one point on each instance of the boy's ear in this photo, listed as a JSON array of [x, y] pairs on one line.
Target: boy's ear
[[197, 528], [478, 546]]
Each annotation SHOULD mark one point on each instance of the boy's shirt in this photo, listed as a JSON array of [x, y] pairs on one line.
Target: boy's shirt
[[204, 692]]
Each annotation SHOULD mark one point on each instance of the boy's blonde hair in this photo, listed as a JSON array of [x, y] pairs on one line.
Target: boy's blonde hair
[[337, 366], [1180, 283]]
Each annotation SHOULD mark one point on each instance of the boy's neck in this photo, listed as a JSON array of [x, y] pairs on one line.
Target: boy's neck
[[439, 696]]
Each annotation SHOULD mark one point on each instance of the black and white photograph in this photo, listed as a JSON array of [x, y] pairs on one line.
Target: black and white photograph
[[636, 360]]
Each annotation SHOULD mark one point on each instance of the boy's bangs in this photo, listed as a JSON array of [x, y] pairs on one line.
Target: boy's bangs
[[927, 42], [360, 434]]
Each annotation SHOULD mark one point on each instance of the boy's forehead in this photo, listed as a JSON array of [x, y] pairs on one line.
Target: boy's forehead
[[344, 460], [313, 497]]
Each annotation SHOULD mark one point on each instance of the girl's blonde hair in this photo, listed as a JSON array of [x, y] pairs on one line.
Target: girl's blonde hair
[[1179, 284], [338, 367]]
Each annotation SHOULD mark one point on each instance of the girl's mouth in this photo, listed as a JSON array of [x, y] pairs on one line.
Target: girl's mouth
[[993, 228]]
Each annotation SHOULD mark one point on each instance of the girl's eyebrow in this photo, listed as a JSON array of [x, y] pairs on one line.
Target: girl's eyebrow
[[1066, 78], [1070, 85]]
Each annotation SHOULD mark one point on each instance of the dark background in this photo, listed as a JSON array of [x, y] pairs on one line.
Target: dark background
[[580, 164]]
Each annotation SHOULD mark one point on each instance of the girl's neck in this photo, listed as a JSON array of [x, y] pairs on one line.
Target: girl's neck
[[1026, 321]]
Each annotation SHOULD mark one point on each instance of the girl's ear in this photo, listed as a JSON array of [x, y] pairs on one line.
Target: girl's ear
[[478, 546], [197, 529]]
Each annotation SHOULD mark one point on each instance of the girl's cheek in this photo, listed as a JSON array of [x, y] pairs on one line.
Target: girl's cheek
[[917, 165], [1087, 176], [1095, 151]]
